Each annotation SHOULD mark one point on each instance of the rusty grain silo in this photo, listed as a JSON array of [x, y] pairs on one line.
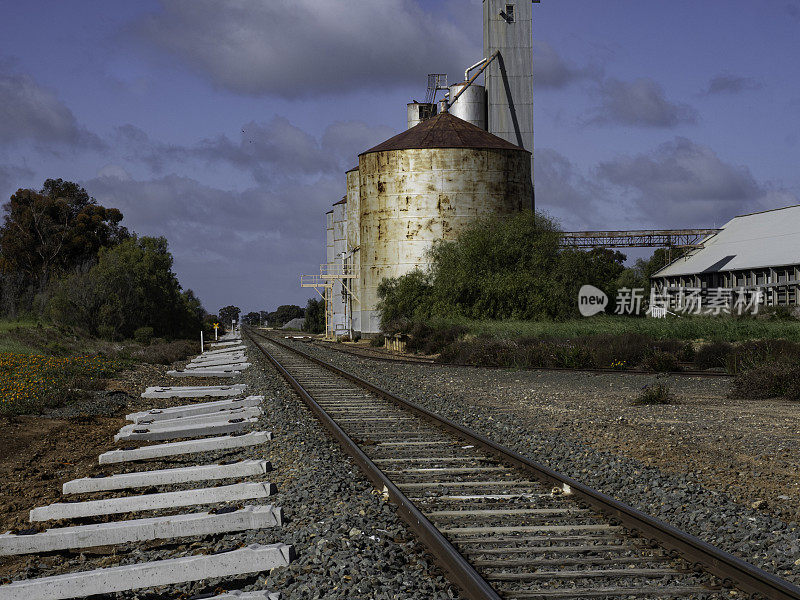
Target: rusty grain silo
[[353, 235], [425, 184]]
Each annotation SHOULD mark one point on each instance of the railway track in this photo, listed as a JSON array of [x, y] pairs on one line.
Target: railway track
[[502, 525], [385, 356]]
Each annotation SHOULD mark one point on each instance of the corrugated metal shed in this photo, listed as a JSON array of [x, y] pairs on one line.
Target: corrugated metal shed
[[444, 131], [764, 239]]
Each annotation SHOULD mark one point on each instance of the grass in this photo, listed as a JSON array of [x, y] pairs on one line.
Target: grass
[[8, 324], [42, 366], [658, 393], [13, 335], [686, 328], [30, 382]]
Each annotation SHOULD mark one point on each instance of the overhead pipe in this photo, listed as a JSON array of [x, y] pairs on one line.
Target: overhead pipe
[[476, 65], [470, 81]]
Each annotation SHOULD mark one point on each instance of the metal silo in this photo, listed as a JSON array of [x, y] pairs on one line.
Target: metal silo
[[417, 112], [425, 184], [329, 237], [338, 302], [353, 235], [328, 261], [508, 30], [470, 105]]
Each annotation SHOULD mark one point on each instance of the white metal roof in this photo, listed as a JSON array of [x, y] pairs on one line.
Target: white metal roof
[[764, 239]]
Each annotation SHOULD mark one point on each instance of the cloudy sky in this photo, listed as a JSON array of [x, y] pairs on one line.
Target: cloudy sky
[[227, 126]]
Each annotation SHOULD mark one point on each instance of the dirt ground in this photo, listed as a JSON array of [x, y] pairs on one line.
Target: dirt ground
[[39, 453]]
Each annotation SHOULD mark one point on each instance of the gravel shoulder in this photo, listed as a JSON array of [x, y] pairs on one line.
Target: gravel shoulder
[[724, 470], [349, 541]]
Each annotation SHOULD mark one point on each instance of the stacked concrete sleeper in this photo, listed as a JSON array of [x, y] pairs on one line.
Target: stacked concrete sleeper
[[223, 423]]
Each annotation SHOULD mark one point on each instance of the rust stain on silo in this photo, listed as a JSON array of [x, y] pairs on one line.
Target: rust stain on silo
[[428, 184]]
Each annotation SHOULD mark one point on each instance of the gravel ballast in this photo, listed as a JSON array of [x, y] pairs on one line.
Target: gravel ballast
[[500, 404], [348, 540]]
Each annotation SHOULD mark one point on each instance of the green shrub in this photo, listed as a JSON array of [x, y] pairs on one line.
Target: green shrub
[[401, 298], [772, 380], [499, 267], [431, 340], [630, 348], [131, 285], [377, 342], [663, 362], [683, 351], [482, 353], [572, 356], [107, 332], [143, 335], [779, 313], [713, 355], [755, 353], [536, 353], [166, 353], [658, 393], [315, 316]]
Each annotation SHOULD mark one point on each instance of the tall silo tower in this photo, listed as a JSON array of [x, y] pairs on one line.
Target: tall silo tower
[[508, 28]]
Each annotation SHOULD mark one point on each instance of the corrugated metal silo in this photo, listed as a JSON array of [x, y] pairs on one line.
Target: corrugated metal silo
[[354, 243], [425, 184], [417, 112], [471, 104], [329, 237], [339, 249], [329, 257]]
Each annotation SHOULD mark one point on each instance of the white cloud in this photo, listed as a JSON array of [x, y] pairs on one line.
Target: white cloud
[[273, 151], [29, 111], [302, 48], [565, 193], [115, 171], [550, 70], [13, 177], [640, 103], [682, 183]]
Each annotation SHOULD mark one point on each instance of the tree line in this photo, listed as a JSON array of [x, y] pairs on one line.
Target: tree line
[[65, 257], [507, 267], [313, 316]]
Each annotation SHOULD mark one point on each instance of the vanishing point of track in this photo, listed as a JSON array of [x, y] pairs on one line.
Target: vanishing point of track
[[501, 525]]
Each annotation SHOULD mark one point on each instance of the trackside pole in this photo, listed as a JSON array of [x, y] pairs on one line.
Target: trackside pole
[[201, 342]]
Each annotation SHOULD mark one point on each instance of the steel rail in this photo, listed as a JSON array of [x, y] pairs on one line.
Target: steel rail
[[421, 361], [464, 574], [730, 569]]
